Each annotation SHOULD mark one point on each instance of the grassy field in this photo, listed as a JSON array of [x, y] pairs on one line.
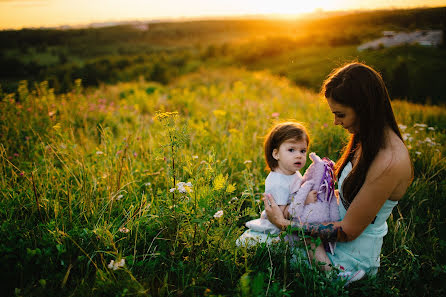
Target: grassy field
[[92, 202]]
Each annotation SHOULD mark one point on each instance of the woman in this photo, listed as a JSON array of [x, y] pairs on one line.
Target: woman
[[373, 172]]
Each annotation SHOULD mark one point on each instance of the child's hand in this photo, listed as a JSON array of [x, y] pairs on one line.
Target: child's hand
[[286, 214], [311, 197]]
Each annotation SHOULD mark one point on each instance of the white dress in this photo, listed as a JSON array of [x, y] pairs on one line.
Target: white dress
[[262, 230]]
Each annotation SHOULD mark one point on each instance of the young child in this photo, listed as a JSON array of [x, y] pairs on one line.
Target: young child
[[285, 147]]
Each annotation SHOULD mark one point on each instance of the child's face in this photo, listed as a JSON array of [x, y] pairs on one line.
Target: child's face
[[291, 156]]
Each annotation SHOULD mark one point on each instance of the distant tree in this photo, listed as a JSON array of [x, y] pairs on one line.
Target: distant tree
[[400, 83]]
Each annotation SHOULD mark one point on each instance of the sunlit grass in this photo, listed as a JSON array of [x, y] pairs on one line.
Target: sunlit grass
[[92, 177]]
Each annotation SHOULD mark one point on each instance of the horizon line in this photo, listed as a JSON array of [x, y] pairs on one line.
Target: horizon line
[[273, 16]]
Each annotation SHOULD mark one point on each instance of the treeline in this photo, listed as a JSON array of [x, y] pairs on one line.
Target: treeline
[[167, 50]]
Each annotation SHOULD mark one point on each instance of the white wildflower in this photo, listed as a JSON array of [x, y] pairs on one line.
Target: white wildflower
[[121, 263], [406, 136], [181, 188], [115, 265], [218, 214], [418, 153], [402, 127], [124, 230], [147, 184], [194, 157], [119, 197], [431, 128], [247, 162], [172, 190], [430, 141], [420, 125], [184, 187], [99, 152]]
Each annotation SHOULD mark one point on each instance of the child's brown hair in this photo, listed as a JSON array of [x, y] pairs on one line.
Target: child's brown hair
[[279, 134]]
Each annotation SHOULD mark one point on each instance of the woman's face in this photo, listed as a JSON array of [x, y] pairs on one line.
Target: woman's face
[[344, 116]]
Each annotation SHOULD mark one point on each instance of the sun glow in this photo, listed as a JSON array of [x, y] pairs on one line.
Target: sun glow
[[38, 13]]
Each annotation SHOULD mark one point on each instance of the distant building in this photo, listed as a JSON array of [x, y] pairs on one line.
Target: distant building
[[142, 27], [425, 38]]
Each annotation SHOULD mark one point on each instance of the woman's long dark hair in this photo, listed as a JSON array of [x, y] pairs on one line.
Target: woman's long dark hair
[[360, 87]]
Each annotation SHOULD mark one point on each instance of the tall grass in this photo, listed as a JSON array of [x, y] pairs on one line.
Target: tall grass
[[139, 174]]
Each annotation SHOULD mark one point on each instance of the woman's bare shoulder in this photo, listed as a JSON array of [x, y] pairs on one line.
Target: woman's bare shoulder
[[393, 161]]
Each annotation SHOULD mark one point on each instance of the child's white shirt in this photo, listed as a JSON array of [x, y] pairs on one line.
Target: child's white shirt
[[281, 186]]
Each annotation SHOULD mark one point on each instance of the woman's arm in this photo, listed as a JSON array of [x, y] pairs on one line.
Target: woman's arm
[[383, 177], [330, 231]]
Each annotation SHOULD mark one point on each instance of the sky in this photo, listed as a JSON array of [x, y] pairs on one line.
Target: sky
[[17, 14]]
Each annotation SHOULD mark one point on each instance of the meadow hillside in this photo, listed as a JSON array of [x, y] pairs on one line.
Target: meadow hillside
[[140, 188], [304, 50]]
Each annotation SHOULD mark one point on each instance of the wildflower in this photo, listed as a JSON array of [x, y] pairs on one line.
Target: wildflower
[[16, 155], [194, 157], [124, 230], [218, 214], [247, 162], [406, 136], [431, 128], [99, 152], [184, 187], [115, 265], [219, 182], [420, 125], [22, 173], [135, 154], [230, 188], [172, 190], [429, 141], [119, 152], [147, 184], [275, 114], [119, 197], [219, 113], [418, 153], [402, 127], [111, 265], [163, 115]]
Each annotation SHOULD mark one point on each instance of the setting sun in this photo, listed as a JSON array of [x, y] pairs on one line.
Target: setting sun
[[47, 13]]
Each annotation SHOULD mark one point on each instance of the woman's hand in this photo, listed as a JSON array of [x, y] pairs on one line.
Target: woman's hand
[[275, 215], [331, 231]]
